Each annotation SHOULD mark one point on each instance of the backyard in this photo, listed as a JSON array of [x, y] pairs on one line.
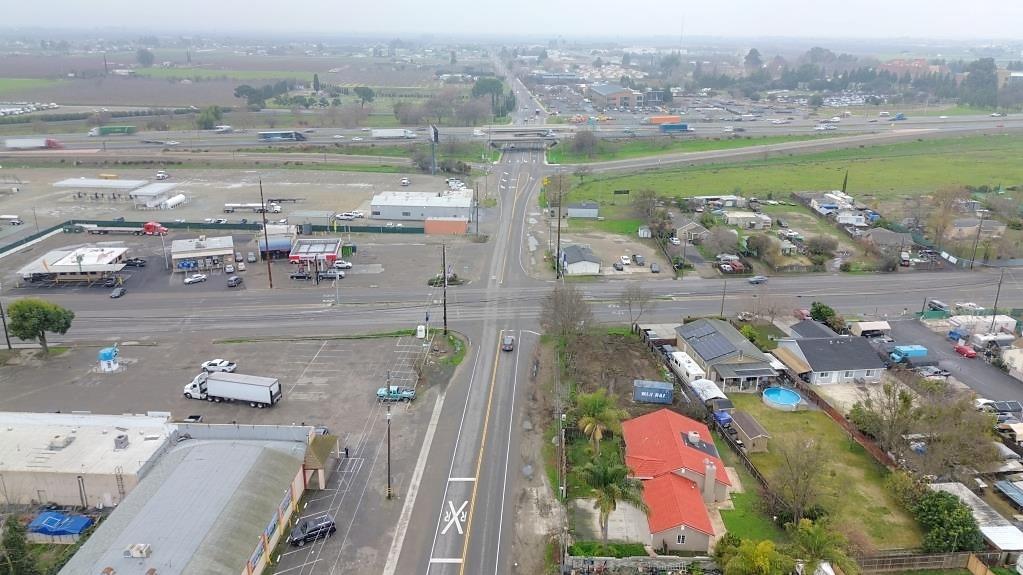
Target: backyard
[[852, 485]]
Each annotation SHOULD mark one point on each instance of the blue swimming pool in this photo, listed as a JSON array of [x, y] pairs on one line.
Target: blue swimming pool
[[782, 398]]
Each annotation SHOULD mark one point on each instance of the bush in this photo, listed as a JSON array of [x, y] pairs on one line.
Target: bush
[[845, 267], [612, 549]]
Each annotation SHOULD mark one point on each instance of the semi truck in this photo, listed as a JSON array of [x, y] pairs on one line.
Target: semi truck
[[222, 386], [269, 207], [674, 128], [33, 144], [656, 120], [112, 130], [393, 134], [147, 229], [903, 353]]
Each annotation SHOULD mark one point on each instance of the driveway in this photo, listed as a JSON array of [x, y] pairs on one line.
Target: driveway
[[986, 380]]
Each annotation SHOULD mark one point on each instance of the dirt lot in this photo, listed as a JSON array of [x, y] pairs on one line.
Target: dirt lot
[[207, 190]]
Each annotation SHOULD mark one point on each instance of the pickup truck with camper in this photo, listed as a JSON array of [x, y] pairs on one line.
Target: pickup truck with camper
[[222, 386]]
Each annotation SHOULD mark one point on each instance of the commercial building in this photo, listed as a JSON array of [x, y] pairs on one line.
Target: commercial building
[[418, 206], [318, 253], [281, 238], [614, 96], [446, 226], [584, 210], [217, 502], [81, 264], [76, 459], [202, 253], [748, 220], [579, 261]]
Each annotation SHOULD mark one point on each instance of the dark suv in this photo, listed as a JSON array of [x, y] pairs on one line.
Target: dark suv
[[311, 529], [301, 276]]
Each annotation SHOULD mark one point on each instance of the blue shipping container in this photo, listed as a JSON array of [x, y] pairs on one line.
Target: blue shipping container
[[644, 391]]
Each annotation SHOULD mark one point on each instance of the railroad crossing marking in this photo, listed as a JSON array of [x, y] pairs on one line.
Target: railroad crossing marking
[[454, 517]]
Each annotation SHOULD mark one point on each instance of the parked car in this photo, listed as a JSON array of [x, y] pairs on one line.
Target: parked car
[[727, 268], [626, 260], [218, 365], [655, 268], [330, 275], [674, 241], [110, 282], [234, 281], [965, 351], [801, 314], [311, 529], [618, 266], [135, 263], [396, 393], [251, 258], [638, 259], [342, 265], [508, 343], [195, 278], [757, 280], [229, 269], [405, 181], [301, 276], [238, 257], [241, 266], [118, 292]]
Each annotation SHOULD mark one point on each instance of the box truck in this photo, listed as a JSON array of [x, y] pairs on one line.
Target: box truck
[[112, 130], [393, 133], [222, 386], [32, 144]]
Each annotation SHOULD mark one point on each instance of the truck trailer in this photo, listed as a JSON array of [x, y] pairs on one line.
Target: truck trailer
[[221, 386], [393, 134], [33, 144], [674, 128], [147, 229], [656, 120], [270, 207], [112, 130]]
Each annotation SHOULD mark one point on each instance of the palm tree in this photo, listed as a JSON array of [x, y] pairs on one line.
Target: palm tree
[[597, 415], [814, 542], [609, 483]]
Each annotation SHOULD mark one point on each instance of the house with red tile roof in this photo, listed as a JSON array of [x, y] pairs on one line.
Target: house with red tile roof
[[676, 460]]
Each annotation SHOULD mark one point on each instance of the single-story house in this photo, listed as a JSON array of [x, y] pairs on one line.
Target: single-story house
[[691, 230], [726, 201], [748, 220], [884, 239], [586, 210], [967, 228], [728, 358], [850, 217], [579, 261], [811, 328], [752, 434], [681, 472], [824, 360]]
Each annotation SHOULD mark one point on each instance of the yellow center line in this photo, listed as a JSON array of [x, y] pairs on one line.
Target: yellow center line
[[479, 457]]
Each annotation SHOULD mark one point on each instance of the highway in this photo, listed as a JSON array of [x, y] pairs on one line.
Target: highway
[[460, 516]]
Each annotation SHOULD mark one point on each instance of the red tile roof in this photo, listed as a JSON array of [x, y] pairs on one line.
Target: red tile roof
[[655, 445], [675, 501]]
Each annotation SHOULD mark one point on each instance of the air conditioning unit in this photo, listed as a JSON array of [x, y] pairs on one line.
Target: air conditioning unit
[[58, 442], [138, 551], [121, 441]]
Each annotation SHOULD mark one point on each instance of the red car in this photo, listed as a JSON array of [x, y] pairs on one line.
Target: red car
[[966, 351]]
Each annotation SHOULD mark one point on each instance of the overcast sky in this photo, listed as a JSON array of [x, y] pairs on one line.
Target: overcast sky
[[940, 19]]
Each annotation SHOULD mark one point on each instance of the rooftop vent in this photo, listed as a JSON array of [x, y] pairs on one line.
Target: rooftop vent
[[58, 442], [693, 436], [138, 551], [121, 441]]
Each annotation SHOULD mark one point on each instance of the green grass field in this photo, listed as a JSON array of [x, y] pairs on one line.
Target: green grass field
[[852, 484], [212, 73], [653, 147], [8, 85], [748, 519], [886, 171]]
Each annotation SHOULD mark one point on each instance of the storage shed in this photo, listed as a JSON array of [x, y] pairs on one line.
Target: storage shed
[[752, 434], [585, 210], [646, 391]]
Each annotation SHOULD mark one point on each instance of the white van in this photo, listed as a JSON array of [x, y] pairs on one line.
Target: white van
[[12, 220]]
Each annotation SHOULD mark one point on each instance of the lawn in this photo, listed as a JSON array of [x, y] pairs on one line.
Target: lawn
[[852, 485], [638, 148], [748, 519], [885, 171], [23, 84]]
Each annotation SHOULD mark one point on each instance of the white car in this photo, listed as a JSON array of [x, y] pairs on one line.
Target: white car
[[282, 221], [229, 269], [344, 216], [674, 241], [241, 266], [338, 137], [194, 279], [357, 214], [626, 260], [365, 129], [343, 265], [356, 139], [218, 365], [405, 181]]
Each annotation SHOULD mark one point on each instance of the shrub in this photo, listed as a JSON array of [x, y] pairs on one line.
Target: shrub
[[612, 549]]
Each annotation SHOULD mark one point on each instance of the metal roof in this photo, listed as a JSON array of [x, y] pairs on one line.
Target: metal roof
[[445, 199], [153, 190], [998, 530], [93, 259], [748, 424], [197, 247], [747, 369], [313, 248], [100, 184], [202, 508]]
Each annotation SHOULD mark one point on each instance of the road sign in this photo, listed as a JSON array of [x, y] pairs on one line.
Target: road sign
[[454, 517]]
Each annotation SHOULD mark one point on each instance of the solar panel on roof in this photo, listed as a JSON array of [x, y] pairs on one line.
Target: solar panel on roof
[[697, 330], [712, 346]]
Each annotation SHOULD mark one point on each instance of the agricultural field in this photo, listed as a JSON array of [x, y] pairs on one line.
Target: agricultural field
[[10, 88]]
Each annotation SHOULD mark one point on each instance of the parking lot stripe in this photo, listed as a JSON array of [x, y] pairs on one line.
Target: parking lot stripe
[[322, 345], [461, 479]]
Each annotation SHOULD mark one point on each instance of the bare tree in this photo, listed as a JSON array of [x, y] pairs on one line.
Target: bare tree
[[943, 203], [797, 480], [565, 313], [581, 172], [954, 432], [585, 142], [886, 412], [770, 305], [721, 240], [644, 203], [636, 300]]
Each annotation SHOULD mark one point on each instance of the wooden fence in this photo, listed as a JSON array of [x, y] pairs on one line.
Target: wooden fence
[[913, 562]]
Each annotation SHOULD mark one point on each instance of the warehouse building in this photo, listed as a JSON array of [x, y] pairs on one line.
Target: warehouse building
[[217, 502], [202, 253], [76, 459], [82, 264], [279, 237], [418, 206]]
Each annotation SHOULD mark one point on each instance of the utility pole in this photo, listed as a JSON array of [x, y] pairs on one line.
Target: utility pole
[[724, 291], [266, 236], [976, 242], [388, 450], [476, 200], [998, 293], [3, 318], [560, 201], [444, 273]]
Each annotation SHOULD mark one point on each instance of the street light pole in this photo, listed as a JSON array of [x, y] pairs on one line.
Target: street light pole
[[3, 318], [388, 451]]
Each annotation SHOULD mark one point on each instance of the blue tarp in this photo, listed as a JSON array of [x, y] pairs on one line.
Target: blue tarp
[[53, 523]]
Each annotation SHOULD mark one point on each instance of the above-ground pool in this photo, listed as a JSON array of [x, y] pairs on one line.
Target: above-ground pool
[[782, 398]]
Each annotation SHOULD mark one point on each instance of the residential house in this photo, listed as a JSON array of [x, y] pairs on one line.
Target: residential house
[[1013, 359], [579, 261], [824, 360], [681, 472], [587, 210], [728, 358], [748, 220], [850, 218], [614, 96], [967, 228], [691, 230], [887, 240], [728, 201], [811, 328]]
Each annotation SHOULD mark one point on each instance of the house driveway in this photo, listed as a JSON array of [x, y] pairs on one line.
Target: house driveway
[[626, 523]]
